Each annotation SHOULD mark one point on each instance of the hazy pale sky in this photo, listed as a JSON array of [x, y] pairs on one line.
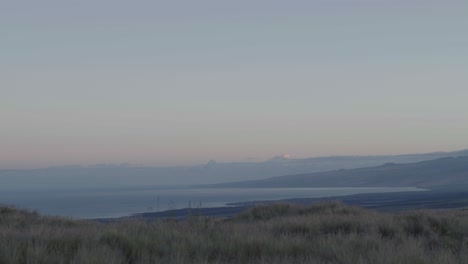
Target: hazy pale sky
[[183, 82]]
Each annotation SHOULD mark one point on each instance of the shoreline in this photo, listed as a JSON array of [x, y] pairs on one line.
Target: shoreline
[[384, 202]]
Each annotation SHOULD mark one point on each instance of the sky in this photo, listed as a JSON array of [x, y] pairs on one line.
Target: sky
[[183, 82]]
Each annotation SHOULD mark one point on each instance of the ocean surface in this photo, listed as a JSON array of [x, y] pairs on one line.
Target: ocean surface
[[103, 203]]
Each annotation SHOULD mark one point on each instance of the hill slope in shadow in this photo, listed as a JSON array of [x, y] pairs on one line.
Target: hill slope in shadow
[[433, 173]]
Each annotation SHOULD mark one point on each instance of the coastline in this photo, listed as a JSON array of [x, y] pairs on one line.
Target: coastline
[[384, 202]]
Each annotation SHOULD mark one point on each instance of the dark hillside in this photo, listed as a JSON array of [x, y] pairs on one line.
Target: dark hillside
[[425, 174]]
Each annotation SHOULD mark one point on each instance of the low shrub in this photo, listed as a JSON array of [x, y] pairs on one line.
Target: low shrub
[[283, 233]]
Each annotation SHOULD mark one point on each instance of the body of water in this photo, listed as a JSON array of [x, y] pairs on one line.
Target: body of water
[[122, 202]]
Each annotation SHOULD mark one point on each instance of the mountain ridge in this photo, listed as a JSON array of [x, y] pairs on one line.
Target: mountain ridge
[[438, 172], [109, 176]]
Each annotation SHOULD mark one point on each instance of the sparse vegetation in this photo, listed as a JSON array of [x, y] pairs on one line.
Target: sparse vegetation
[[280, 233]]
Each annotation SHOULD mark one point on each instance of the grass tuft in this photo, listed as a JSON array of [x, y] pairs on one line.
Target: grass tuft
[[281, 233]]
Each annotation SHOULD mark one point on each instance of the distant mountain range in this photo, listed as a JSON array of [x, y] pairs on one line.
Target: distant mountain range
[[449, 171], [125, 176]]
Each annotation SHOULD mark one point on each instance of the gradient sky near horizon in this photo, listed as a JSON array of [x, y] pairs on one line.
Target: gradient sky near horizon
[[184, 82]]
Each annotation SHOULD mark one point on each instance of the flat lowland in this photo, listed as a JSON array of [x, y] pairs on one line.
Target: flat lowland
[[328, 232]]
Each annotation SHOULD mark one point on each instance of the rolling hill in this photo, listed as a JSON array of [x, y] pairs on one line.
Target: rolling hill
[[127, 176], [449, 171]]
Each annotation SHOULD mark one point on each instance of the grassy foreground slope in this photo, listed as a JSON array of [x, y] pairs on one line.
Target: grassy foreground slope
[[280, 233]]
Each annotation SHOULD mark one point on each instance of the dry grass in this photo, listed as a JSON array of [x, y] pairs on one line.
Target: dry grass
[[321, 233]]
